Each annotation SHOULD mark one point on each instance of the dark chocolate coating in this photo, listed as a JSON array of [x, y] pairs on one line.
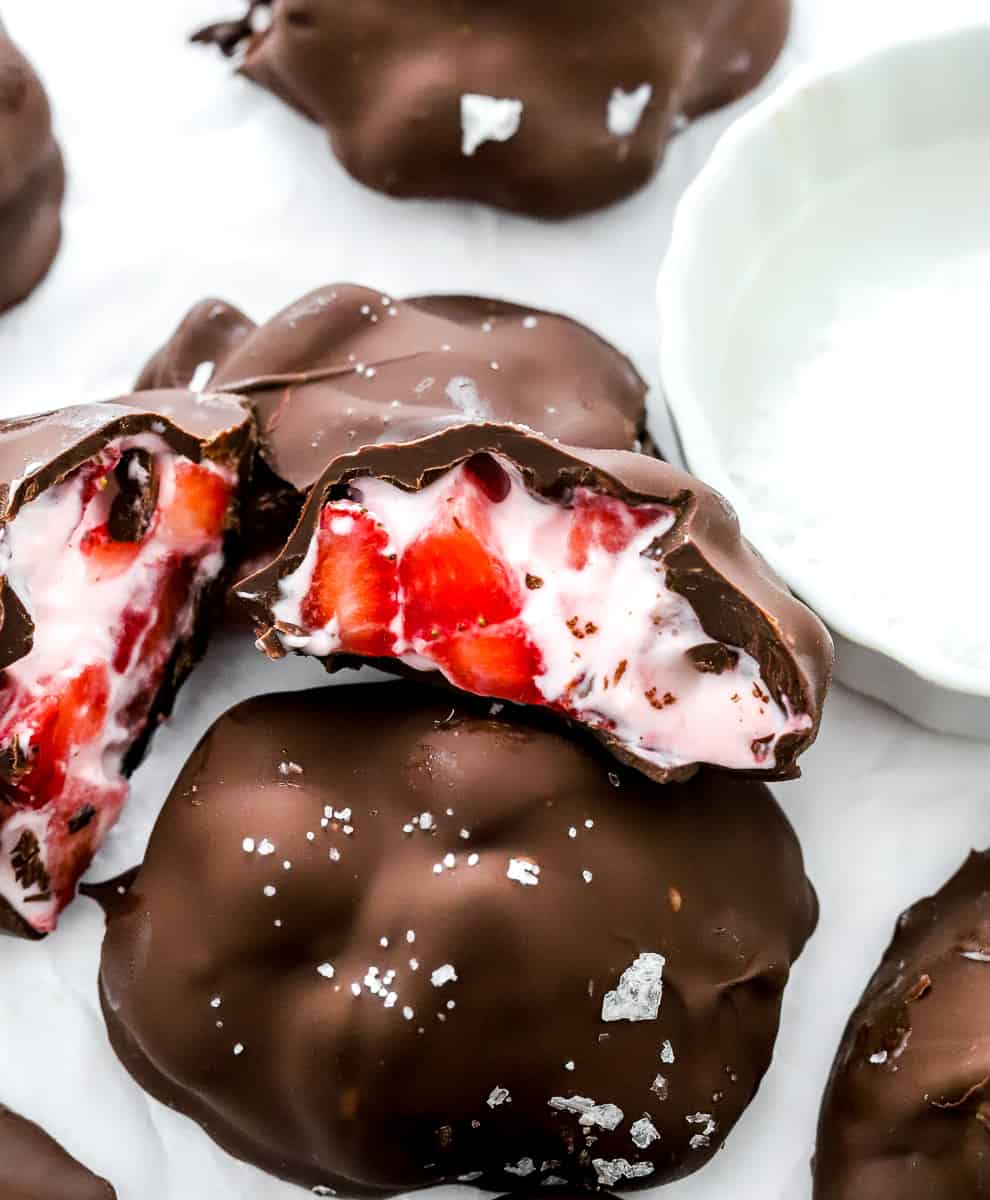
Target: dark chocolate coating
[[737, 597], [906, 1115], [40, 451], [32, 178], [352, 1092], [385, 79], [300, 372], [33, 1166]]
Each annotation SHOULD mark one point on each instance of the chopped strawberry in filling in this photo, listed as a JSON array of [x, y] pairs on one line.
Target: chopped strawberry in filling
[[110, 563], [559, 603], [355, 581]]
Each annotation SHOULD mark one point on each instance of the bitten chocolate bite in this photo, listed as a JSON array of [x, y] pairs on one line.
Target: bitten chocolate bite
[[112, 525], [347, 366], [33, 1166], [906, 1114], [32, 178], [551, 110], [609, 587], [386, 938]]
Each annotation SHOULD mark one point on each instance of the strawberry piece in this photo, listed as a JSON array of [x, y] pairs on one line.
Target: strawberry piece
[[498, 662], [453, 581], [198, 506], [132, 625], [105, 557], [354, 580], [603, 523], [60, 723]]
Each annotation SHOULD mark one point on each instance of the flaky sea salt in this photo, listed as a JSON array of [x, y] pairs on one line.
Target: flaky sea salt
[[637, 998]]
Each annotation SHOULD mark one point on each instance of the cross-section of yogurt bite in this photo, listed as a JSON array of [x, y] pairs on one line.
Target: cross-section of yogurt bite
[[348, 366], [609, 587], [112, 527], [403, 938]]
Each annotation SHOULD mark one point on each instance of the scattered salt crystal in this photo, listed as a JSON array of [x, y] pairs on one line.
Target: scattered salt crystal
[[609, 1172], [248, 845], [326, 970], [643, 1132], [637, 998], [444, 974], [497, 1096], [524, 1167], [523, 871], [269, 889], [625, 109]]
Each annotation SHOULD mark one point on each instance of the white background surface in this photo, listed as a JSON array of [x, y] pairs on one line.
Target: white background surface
[[186, 182]]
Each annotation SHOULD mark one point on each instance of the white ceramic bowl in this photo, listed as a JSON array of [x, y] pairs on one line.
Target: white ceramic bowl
[[838, 244]]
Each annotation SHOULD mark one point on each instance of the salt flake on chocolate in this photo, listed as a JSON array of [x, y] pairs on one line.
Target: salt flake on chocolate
[[488, 119], [524, 1167], [521, 870], [606, 1116], [637, 998], [625, 109], [497, 1096], [610, 1171], [643, 1132], [444, 974]]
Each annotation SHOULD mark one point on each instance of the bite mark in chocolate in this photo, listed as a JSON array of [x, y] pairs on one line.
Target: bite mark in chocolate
[[427, 572], [112, 524]]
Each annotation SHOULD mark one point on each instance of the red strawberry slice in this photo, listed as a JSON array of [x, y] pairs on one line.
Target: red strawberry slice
[[354, 580], [499, 662], [59, 723], [452, 577], [603, 523], [198, 506], [106, 558]]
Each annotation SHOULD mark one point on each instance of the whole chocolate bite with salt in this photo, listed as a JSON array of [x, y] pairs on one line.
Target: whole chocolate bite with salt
[[33, 1166], [32, 178], [114, 524], [609, 587], [348, 366], [385, 938], [549, 109], [906, 1115]]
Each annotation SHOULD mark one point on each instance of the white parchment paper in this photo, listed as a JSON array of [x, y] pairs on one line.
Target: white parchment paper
[[186, 182]]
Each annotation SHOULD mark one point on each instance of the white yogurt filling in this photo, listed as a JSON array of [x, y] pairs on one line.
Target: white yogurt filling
[[612, 625], [80, 621]]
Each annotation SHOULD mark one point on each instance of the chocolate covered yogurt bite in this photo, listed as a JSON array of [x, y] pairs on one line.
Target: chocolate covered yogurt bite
[[550, 109], [906, 1114], [348, 366], [33, 1166], [112, 526], [609, 587], [32, 178], [386, 938]]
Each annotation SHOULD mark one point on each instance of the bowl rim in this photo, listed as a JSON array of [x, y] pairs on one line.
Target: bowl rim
[[694, 433]]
